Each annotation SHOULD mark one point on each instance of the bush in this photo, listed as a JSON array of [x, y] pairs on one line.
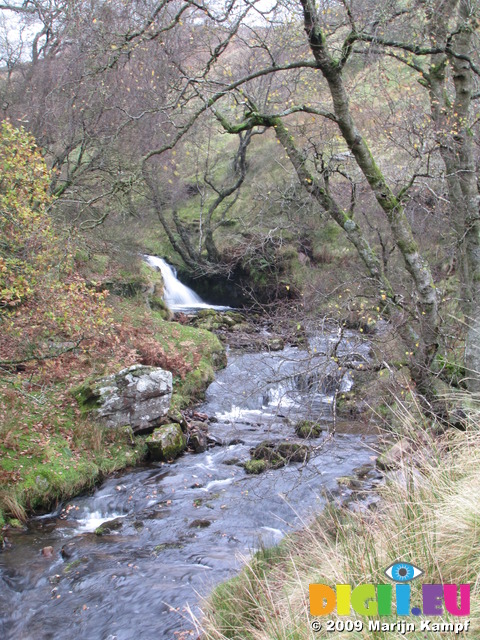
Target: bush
[[46, 307]]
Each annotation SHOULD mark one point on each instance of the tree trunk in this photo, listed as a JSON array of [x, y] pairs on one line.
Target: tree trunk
[[415, 264]]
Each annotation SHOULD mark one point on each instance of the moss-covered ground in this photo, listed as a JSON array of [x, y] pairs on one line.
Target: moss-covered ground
[[50, 449]]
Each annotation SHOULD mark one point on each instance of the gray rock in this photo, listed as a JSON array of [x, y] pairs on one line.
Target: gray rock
[[395, 456], [138, 396], [198, 441], [166, 442], [108, 527], [197, 436]]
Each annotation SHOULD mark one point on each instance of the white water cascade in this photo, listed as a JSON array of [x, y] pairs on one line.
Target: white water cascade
[[178, 296]]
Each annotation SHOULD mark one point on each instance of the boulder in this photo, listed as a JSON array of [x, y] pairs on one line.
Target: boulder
[[107, 527], [309, 429], [274, 455], [138, 396], [197, 437], [395, 456], [166, 442], [293, 452], [275, 344], [255, 467]]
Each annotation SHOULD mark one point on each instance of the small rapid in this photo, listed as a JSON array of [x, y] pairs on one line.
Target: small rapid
[[170, 532]]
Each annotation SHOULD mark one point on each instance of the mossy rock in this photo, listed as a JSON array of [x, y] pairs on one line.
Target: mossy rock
[[229, 322], [128, 288], [209, 323], [347, 405], [234, 316], [85, 396], [309, 429], [254, 467], [108, 527], [244, 327], [175, 416], [267, 451], [206, 313], [166, 442], [349, 482], [160, 306], [167, 545], [293, 452], [275, 344]]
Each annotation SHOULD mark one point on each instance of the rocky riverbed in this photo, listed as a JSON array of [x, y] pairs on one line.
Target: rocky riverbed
[[132, 559]]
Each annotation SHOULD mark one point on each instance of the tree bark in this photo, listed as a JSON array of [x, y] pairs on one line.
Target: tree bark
[[415, 263]]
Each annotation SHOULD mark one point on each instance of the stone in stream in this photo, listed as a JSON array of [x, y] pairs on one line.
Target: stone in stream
[[267, 451], [274, 455], [395, 456], [68, 550], [166, 442], [254, 467], [275, 344], [197, 437], [293, 452], [309, 429], [349, 482], [138, 396], [108, 527]]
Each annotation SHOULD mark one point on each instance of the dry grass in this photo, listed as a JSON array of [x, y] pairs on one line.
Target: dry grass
[[429, 516]]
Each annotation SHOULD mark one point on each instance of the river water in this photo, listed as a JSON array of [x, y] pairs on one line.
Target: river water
[[183, 527]]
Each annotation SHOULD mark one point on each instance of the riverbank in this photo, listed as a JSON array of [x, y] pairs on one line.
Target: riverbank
[[127, 559], [51, 451], [428, 516]]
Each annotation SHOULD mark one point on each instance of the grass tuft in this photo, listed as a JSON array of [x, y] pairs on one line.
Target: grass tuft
[[429, 515]]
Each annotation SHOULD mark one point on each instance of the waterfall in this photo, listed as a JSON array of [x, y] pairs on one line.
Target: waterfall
[[177, 296]]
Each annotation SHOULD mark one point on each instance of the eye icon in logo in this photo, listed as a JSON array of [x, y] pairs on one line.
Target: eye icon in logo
[[403, 572]]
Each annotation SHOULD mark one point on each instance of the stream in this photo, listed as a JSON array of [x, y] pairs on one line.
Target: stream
[[182, 528]]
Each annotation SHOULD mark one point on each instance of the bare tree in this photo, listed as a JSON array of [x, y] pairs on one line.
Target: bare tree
[[290, 69]]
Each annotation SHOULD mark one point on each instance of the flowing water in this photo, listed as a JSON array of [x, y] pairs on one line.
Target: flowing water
[[181, 528], [177, 295]]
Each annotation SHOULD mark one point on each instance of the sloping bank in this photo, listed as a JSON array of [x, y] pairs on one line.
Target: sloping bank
[[51, 449], [429, 516]]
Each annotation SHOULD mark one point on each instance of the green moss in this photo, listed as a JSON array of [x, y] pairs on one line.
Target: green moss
[[74, 564], [309, 429], [449, 371], [256, 466], [49, 471], [108, 527], [15, 523], [84, 395], [158, 304], [166, 442], [50, 452]]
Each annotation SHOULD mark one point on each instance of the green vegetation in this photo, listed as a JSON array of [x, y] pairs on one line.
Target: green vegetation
[[319, 155], [49, 451], [59, 328], [309, 429]]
